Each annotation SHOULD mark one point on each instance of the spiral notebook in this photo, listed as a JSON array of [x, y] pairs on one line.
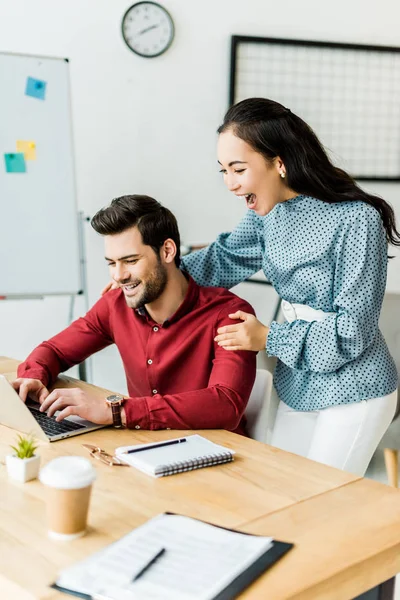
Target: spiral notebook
[[175, 456]]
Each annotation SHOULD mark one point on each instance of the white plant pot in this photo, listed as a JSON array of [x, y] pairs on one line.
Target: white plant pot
[[22, 469]]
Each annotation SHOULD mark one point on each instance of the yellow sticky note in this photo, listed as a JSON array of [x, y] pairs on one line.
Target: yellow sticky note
[[28, 148]]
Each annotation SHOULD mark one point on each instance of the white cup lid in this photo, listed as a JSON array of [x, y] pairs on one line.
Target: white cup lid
[[68, 473]]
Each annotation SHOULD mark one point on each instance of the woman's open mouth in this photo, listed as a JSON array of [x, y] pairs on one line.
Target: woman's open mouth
[[250, 200]]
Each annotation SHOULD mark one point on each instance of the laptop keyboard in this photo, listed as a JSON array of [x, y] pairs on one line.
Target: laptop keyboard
[[49, 424]]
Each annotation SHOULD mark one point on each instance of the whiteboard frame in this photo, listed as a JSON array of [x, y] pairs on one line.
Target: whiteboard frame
[[82, 287]]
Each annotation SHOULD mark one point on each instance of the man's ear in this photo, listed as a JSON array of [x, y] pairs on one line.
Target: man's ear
[[168, 251]]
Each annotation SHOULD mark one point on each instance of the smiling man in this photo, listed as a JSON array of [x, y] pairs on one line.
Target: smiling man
[[163, 325]]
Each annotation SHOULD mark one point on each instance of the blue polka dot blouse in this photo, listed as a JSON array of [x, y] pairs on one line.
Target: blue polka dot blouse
[[332, 257]]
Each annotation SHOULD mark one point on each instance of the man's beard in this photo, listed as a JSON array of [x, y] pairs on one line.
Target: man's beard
[[152, 288]]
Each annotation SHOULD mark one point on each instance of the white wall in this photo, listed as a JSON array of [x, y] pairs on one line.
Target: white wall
[[148, 126]]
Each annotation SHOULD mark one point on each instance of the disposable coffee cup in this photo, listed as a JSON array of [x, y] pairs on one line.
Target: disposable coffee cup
[[68, 480]]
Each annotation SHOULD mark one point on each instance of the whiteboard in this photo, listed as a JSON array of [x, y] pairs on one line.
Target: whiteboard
[[39, 233], [348, 93]]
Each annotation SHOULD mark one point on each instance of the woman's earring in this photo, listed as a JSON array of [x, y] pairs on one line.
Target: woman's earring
[[283, 174]]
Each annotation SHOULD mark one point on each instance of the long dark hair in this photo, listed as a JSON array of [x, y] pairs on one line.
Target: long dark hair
[[273, 130], [155, 222]]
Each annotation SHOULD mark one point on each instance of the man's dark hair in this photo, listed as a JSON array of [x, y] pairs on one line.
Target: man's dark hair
[[155, 222]]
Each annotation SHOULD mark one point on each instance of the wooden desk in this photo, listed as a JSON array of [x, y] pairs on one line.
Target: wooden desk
[[345, 540], [265, 490]]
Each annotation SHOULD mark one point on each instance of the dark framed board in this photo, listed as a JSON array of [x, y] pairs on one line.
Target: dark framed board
[[348, 93]]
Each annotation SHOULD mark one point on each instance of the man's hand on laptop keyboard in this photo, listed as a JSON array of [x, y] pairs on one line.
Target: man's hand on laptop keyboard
[[74, 401], [32, 387]]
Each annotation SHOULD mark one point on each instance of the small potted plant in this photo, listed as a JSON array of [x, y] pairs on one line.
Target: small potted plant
[[24, 464]]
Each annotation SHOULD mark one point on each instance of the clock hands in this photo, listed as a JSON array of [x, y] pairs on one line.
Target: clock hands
[[148, 29]]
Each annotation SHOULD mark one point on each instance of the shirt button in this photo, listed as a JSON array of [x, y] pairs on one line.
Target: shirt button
[[149, 362], [137, 426], [155, 392], [155, 328]]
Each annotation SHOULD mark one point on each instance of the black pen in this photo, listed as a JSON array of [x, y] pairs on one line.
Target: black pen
[[151, 562], [180, 441]]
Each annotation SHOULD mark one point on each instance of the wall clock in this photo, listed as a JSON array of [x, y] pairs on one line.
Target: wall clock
[[147, 29]]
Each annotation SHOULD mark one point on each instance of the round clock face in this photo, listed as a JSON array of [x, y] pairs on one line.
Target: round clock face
[[147, 29]]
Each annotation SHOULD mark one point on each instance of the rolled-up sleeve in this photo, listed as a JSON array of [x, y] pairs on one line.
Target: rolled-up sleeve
[[358, 290], [232, 258]]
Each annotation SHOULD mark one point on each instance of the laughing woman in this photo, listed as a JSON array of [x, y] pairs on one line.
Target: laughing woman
[[322, 243]]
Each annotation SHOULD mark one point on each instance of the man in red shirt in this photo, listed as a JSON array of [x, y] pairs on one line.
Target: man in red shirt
[[164, 326]]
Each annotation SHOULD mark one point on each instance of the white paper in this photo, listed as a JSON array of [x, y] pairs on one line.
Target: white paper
[[199, 561]]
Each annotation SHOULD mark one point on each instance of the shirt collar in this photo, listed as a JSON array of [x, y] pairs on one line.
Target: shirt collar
[[187, 305]]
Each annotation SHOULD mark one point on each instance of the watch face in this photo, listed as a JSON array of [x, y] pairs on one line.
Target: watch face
[[114, 399], [147, 29]]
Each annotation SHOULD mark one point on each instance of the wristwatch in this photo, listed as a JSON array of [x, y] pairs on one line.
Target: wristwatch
[[116, 401]]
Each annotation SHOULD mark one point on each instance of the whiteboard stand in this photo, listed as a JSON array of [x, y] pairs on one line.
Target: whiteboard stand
[[85, 368]]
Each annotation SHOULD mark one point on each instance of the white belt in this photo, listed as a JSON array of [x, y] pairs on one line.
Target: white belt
[[292, 312]]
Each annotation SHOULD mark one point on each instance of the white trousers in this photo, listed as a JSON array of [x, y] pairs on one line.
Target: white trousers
[[344, 436]]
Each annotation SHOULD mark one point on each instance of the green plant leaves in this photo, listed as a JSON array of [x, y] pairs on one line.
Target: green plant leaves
[[26, 446]]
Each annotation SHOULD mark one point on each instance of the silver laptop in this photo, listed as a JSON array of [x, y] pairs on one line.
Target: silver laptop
[[27, 418]]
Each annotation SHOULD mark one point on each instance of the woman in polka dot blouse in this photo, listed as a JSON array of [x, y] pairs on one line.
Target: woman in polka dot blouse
[[322, 243]]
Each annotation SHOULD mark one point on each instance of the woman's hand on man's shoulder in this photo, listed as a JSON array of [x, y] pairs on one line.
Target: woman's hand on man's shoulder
[[111, 285]]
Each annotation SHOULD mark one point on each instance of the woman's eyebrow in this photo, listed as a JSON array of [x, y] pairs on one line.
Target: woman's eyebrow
[[235, 162]]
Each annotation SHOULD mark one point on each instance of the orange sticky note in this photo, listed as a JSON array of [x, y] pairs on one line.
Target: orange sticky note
[[28, 148]]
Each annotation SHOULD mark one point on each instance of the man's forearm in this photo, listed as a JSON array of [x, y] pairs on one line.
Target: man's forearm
[[68, 348], [43, 364]]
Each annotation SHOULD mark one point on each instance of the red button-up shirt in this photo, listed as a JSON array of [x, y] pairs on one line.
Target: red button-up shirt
[[177, 376]]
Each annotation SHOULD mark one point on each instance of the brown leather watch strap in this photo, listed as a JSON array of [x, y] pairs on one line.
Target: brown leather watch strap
[[116, 401], [116, 415]]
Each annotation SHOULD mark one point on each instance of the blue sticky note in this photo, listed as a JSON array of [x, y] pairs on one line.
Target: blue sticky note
[[35, 88], [15, 163]]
